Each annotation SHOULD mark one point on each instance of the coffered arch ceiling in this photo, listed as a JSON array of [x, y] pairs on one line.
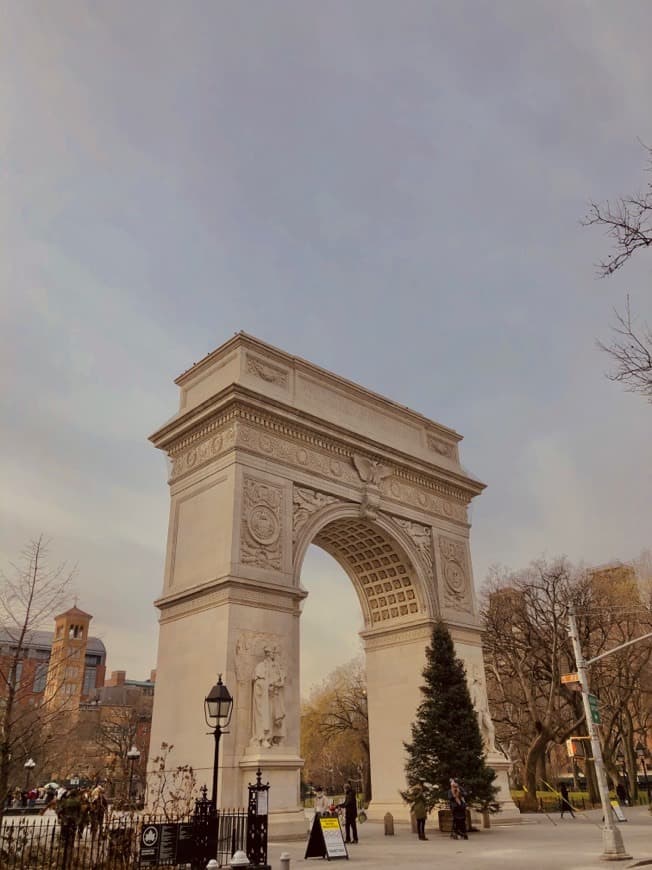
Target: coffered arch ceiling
[[382, 575]]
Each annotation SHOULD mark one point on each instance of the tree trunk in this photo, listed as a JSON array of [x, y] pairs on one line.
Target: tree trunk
[[532, 761]]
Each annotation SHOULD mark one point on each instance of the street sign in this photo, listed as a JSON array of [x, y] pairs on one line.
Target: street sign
[[595, 712], [570, 678]]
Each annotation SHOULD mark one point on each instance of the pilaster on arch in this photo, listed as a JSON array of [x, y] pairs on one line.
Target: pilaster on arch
[[389, 560]]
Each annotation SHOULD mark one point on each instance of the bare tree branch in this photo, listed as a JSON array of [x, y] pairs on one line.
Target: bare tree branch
[[628, 222]]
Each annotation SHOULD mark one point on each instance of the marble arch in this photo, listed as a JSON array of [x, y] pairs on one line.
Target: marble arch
[[269, 453]]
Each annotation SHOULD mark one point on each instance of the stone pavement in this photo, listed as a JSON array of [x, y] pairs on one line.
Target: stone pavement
[[537, 842]]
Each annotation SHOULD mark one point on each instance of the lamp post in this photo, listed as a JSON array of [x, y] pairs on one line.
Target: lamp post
[[218, 706], [133, 755], [30, 764], [640, 752]]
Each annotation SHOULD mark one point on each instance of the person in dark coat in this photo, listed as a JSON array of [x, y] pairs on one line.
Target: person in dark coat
[[350, 806], [458, 810], [420, 809], [564, 802]]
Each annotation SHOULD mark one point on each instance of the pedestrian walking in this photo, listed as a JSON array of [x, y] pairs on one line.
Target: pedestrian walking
[[622, 795], [419, 808], [350, 805], [457, 804], [564, 803]]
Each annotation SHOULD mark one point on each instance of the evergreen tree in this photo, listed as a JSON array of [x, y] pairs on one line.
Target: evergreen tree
[[446, 741]]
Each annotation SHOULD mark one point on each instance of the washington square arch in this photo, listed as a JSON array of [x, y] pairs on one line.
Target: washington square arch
[[269, 454]]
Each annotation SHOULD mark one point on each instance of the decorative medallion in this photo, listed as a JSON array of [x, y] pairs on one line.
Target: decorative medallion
[[263, 525], [260, 541], [454, 569]]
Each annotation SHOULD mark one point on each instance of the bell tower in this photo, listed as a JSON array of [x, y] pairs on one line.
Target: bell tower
[[65, 679]]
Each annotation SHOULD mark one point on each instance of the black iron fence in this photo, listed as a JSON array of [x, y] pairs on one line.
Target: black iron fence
[[126, 841]]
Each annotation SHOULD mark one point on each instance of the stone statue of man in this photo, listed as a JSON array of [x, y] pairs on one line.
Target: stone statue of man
[[485, 722], [268, 715]]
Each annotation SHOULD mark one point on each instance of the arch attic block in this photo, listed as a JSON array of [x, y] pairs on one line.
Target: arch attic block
[[269, 453]]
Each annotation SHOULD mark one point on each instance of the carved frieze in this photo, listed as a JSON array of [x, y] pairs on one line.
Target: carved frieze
[[267, 371], [319, 456], [203, 451], [305, 503], [455, 573], [261, 542], [422, 537], [294, 452], [423, 499]]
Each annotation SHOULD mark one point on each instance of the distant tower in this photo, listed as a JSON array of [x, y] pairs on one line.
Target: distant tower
[[65, 679]]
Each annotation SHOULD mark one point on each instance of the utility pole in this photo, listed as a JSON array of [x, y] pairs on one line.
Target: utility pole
[[612, 841]]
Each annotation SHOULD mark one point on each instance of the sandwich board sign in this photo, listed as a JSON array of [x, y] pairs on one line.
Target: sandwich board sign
[[618, 813], [326, 840]]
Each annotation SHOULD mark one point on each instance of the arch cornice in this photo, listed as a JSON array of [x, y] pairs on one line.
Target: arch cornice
[[217, 426]]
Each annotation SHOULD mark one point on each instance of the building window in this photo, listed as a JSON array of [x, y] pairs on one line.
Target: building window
[[72, 673], [90, 679], [40, 677], [69, 689]]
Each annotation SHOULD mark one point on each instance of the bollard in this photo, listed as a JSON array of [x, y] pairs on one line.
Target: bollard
[[239, 860], [389, 825], [285, 861]]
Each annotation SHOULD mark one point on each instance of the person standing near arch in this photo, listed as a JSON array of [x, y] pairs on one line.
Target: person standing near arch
[[350, 805]]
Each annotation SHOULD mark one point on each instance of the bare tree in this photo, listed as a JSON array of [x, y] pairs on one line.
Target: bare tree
[[631, 353], [29, 597], [527, 649], [628, 223], [335, 729]]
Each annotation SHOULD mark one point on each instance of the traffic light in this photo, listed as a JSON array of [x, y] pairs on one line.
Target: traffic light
[[576, 747]]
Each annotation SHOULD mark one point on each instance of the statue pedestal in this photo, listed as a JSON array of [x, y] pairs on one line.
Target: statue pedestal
[[286, 819], [509, 812]]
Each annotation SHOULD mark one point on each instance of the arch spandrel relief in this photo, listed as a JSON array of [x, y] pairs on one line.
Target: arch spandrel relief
[[261, 539]]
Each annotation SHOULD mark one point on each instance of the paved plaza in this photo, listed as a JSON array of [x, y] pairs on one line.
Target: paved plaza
[[537, 842]]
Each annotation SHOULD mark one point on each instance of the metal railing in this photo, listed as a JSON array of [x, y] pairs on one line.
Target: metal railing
[[27, 843]]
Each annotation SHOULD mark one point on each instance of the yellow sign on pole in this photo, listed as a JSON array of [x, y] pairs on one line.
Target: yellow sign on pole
[[570, 678]]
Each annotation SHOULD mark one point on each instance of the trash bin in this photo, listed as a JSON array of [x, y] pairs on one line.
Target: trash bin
[[445, 818]]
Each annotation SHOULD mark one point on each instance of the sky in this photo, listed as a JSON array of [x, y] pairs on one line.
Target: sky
[[391, 190]]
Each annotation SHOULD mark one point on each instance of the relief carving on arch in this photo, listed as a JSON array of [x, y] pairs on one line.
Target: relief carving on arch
[[422, 538], [455, 573], [305, 503], [261, 541], [372, 473], [202, 451], [261, 669], [267, 371]]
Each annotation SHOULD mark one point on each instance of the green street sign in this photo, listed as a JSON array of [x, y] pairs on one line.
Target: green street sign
[[595, 712]]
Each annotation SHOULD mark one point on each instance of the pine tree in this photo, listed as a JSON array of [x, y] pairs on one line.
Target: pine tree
[[446, 741]]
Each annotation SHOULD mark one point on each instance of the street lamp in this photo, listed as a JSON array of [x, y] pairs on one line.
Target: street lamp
[[640, 751], [30, 764], [133, 755], [218, 706]]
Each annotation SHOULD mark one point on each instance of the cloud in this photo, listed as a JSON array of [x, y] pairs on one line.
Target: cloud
[[391, 192]]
